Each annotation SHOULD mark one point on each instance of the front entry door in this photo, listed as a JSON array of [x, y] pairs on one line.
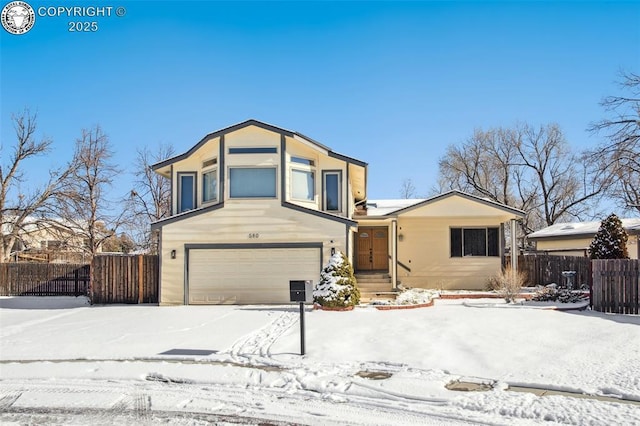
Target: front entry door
[[372, 249]]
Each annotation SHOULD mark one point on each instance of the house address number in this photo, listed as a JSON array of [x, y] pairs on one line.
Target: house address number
[[254, 235]]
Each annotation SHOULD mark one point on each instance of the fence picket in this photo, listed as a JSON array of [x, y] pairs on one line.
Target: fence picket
[[43, 279], [120, 279], [616, 286]]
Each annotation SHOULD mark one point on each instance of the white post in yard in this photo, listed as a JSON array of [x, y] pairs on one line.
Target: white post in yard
[[514, 249]]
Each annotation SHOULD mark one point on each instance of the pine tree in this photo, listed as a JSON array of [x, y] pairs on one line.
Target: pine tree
[[610, 241], [337, 287]]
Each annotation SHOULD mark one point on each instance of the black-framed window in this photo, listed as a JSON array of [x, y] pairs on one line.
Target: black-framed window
[[186, 192], [475, 242], [332, 192]]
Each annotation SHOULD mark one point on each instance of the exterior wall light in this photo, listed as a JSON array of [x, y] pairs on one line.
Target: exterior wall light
[[400, 237], [173, 254]]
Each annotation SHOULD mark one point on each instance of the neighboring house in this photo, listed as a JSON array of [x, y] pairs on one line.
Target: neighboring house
[[40, 239], [255, 205], [573, 239]]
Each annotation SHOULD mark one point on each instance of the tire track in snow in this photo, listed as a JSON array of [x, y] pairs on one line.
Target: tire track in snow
[[258, 344], [7, 400]]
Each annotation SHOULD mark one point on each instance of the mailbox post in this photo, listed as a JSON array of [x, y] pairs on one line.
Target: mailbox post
[[298, 293]]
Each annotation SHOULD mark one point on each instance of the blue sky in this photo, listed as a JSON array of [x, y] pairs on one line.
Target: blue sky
[[390, 83]]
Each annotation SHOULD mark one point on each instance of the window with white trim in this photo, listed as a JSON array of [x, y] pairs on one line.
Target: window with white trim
[[210, 186], [302, 178], [475, 242], [252, 182]]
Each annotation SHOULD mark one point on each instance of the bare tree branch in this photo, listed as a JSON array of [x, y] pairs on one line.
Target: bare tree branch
[[621, 151], [84, 207], [150, 198], [17, 208]]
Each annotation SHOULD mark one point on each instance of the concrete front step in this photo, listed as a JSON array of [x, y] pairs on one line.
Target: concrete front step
[[374, 281], [366, 296], [375, 287], [372, 275]]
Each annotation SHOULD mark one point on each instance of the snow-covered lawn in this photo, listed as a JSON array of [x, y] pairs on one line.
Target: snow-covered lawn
[[103, 364]]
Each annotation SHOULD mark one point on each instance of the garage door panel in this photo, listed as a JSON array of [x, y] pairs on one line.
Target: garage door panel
[[251, 275]]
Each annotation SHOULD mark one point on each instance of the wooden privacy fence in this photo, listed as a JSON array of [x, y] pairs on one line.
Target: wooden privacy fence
[[616, 286], [546, 269], [124, 279], [43, 279]]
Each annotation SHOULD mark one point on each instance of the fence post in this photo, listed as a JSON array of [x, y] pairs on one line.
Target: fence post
[[140, 280], [590, 278]]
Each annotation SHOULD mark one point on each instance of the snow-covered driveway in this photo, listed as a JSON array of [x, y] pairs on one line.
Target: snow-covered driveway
[[104, 364]]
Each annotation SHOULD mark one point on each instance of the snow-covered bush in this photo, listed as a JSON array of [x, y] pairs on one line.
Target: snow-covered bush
[[337, 287], [508, 283], [610, 242], [414, 296], [553, 293]]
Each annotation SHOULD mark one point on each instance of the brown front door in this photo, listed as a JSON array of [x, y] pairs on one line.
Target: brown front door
[[372, 249]]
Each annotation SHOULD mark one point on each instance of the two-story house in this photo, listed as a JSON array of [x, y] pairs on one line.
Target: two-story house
[[255, 206]]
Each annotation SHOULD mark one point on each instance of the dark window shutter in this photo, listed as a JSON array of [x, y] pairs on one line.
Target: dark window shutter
[[456, 242], [493, 242]]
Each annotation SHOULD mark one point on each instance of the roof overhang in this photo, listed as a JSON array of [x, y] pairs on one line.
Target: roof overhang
[[428, 207], [164, 167]]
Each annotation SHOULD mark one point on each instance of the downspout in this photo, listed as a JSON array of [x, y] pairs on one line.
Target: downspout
[[394, 253]]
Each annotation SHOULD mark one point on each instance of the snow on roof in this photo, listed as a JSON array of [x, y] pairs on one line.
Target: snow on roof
[[580, 228], [385, 207]]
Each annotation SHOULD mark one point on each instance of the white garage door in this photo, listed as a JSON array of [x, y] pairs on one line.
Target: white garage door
[[249, 276]]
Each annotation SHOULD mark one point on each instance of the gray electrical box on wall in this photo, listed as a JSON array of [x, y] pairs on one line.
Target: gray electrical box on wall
[[300, 291]]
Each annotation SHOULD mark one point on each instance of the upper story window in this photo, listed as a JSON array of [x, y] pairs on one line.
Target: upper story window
[[209, 186], [475, 242], [186, 192], [209, 181], [209, 163], [252, 182], [303, 181], [301, 160], [332, 191], [254, 150]]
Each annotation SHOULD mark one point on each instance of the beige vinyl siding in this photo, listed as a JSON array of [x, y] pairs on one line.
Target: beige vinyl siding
[[581, 246], [242, 222], [250, 137], [248, 275], [425, 248]]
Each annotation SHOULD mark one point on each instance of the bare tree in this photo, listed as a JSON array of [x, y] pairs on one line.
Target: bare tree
[[621, 152], [150, 199], [482, 165], [531, 169], [17, 207], [84, 206], [407, 189]]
